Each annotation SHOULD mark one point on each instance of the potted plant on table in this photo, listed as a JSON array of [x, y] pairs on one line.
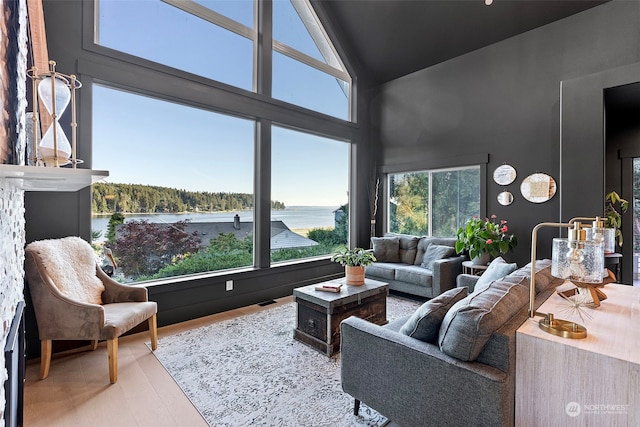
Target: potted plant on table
[[354, 260], [613, 218], [484, 238]]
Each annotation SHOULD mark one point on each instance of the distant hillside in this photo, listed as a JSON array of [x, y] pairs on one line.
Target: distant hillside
[[137, 198]]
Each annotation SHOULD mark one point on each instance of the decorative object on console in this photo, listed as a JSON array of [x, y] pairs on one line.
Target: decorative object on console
[[538, 188], [485, 236], [55, 91], [354, 261], [573, 258], [613, 218]]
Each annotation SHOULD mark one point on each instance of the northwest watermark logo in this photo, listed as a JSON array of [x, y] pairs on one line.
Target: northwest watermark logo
[[573, 409]]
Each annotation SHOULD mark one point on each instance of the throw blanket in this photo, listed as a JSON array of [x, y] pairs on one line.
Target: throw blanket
[[71, 264]]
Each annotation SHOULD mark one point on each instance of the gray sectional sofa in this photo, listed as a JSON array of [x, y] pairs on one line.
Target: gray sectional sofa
[[464, 374], [423, 266]]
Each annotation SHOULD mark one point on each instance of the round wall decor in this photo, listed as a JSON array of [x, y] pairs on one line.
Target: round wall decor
[[538, 188], [505, 198], [504, 175]]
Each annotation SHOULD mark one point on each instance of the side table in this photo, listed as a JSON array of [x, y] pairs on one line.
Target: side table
[[319, 313], [581, 382], [468, 267]]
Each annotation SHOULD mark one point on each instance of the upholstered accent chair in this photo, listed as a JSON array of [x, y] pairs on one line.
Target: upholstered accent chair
[[74, 299]]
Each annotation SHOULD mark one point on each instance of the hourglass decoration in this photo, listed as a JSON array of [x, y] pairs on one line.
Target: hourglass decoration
[[55, 91]]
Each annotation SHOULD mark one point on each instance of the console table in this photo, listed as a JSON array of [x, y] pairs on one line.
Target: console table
[[583, 382], [319, 313]]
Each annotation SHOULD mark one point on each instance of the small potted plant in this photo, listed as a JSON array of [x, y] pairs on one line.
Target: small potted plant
[[354, 260], [613, 218], [484, 238]]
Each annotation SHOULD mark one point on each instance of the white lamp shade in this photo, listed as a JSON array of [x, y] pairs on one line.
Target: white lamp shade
[[578, 260]]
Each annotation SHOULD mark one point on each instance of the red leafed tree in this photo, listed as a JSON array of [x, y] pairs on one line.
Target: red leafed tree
[[144, 247]]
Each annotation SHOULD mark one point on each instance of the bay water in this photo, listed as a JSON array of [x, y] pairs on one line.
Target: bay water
[[295, 217]]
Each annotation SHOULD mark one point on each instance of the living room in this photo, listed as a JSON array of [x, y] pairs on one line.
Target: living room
[[534, 101]]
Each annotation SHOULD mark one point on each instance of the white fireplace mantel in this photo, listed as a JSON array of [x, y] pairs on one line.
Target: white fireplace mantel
[[35, 178]]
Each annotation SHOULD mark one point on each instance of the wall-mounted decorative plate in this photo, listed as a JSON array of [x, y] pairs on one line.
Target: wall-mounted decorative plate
[[538, 188], [505, 198], [504, 175]]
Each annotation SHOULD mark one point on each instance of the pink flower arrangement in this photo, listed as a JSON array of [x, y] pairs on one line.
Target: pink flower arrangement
[[487, 235]]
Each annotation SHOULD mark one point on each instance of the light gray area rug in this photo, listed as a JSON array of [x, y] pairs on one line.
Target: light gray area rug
[[249, 371]]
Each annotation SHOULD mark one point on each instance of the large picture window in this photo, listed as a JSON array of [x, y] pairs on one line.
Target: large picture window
[[311, 176], [218, 40], [161, 32], [434, 203], [179, 198]]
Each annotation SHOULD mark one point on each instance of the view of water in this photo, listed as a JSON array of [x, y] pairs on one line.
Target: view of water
[[293, 216]]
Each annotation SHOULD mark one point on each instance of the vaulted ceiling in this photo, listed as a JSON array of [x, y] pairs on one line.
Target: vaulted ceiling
[[393, 38]]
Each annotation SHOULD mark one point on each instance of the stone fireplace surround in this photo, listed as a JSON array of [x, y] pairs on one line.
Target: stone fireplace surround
[[12, 242]]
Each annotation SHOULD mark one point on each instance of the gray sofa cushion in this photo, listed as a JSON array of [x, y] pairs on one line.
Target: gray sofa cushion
[[435, 252], [408, 246], [408, 249], [496, 270], [383, 270], [544, 279], [425, 322], [425, 242], [386, 249], [415, 275], [469, 324]]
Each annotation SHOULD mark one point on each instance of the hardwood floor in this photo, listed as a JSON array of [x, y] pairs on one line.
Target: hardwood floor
[[77, 391]]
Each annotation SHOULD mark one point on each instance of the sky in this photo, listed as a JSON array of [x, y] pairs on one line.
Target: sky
[[146, 140]]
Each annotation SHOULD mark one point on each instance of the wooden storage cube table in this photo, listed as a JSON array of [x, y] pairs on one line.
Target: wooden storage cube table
[[319, 313]]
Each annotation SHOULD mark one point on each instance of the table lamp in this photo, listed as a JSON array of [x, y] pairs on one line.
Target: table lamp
[[574, 258]]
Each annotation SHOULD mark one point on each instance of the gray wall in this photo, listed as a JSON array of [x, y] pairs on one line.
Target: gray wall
[[504, 100]]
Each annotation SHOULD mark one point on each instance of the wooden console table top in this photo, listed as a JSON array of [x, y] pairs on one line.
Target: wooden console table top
[[581, 382]]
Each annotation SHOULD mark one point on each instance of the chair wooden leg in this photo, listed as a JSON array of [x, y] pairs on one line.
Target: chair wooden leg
[[112, 349], [153, 330], [94, 344], [45, 358]]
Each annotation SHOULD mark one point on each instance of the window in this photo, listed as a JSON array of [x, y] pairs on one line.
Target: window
[[306, 68], [310, 176], [186, 38], [218, 40], [434, 203], [179, 196]]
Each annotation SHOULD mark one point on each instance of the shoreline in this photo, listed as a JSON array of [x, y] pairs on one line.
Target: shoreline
[[293, 207]]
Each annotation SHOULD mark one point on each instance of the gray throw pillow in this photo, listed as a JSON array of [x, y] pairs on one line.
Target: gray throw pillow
[[497, 269], [386, 249], [408, 249], [424, 323], [469, 324], [436, 252]]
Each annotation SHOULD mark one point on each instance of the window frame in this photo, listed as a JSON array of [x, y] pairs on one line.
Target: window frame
[[430, 171], [263, 23], [122, 71]]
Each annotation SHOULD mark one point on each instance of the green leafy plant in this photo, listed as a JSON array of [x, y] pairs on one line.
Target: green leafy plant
[[353, 257], [487, 235], [613, 218]]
